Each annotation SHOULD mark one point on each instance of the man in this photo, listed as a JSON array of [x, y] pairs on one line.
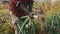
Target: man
[[19, 8]]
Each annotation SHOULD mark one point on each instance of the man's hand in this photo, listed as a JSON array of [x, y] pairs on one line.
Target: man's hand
[[31, 14]]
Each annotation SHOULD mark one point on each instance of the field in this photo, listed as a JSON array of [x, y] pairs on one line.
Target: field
[[5, 20], [51, 15]]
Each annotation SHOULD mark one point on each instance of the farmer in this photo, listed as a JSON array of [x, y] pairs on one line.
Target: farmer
[[19, 8]]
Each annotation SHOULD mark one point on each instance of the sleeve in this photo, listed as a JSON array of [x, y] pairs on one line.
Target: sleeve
[[11, 5]]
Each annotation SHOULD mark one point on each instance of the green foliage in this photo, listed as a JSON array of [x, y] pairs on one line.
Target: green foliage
[[27, 25], [53, 23], [5, 20], [5, 24]]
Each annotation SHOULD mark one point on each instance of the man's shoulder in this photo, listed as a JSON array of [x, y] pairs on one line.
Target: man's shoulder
[[16, 0], [20, 0]]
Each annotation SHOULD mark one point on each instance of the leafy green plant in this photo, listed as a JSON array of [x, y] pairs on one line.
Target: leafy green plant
[[52, 24]]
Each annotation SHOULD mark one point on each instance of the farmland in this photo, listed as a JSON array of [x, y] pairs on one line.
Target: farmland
[[52, 18]]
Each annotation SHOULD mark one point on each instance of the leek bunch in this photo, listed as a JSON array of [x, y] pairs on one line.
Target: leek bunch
[[26, 25]]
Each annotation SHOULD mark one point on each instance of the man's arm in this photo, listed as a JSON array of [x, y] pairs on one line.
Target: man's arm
[[26, 10], [12, 9]]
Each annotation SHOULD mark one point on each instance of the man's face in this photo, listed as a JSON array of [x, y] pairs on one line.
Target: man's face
[[27, 6]]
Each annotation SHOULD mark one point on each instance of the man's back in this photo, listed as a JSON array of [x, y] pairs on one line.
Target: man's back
[[14, 9]]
